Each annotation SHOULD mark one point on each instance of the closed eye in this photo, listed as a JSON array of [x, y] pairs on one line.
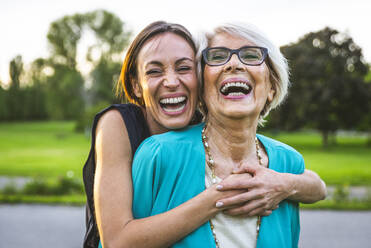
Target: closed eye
[[184, 69], [153, 72]]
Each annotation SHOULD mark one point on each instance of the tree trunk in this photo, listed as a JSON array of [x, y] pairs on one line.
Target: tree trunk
[[332, 138], [325, 135]]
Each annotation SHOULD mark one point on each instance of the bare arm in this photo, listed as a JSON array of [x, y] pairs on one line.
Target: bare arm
[[306, 188], [267, 188], [113, 197]]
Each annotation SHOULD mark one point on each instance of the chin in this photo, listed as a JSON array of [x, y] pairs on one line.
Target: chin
[[236, 112], [174, 126], [178, 123]]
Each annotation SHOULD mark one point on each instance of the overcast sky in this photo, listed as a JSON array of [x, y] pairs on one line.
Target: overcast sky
[[24, 23]]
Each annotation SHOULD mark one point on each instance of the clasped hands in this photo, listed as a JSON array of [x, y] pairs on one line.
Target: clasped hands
[[254, 190]]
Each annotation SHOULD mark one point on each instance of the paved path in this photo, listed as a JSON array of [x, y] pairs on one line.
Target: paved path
[[335, 229], [39, 226]]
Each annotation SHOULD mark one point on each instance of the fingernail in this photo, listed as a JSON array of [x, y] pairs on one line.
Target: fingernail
[[219, 204], [219, 186]]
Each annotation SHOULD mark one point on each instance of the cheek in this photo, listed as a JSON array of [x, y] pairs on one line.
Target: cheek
[[209, 77], [262, 78], [190, 80], [148, 89]]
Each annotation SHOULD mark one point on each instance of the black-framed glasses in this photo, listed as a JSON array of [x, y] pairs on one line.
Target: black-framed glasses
[[248, 55]]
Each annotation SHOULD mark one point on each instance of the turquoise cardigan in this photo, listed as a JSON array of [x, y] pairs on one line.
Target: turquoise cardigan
[[169, 169]]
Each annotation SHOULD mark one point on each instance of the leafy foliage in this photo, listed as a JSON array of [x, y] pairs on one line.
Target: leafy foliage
[[56, 87], [328, 91], [63, 186]]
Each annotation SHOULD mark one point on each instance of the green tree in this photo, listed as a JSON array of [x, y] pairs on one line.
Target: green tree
[[64, 93], [104, 76], [104, 56], [15, 97], [63, 36], [112, 38], [328, 90], [65, 87], [365, 123], [35, 91], [3, 104]]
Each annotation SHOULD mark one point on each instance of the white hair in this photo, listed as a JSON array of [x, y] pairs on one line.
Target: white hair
[[276, 62]]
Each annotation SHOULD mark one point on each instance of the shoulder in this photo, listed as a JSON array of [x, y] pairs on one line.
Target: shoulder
[[112, 135], [110, 119], [170, 146], [272, 143], [184, 135], [122, 109], [282, 157]]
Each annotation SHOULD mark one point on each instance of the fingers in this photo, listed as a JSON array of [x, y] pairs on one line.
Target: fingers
[[239, 181], [237, 199], [265, 213], [249, 209], [262, 211]]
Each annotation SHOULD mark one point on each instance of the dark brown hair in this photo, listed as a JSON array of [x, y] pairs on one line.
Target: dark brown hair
[[129, 75]]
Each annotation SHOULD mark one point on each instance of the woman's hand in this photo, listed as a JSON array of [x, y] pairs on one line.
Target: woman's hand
[[264, 190]]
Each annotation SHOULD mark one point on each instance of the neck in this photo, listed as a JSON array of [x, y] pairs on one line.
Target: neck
[[153, 125], [232, 140]]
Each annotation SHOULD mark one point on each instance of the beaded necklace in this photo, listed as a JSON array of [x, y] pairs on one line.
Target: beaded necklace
[[211, 163]]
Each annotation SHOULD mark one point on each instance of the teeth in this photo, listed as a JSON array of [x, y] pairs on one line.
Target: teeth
[[235, 84], [173, 100], [171, 110], [236, 94]]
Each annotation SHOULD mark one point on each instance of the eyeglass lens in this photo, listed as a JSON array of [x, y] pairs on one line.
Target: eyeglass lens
[[247, 55]]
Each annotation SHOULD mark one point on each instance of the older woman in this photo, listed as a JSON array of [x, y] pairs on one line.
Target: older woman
[[159, 75], [244, 76]]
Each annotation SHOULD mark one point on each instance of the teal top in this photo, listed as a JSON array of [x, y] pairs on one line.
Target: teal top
[[169, 169]]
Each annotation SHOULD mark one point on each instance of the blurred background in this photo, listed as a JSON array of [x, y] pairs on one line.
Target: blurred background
[[59, 62]]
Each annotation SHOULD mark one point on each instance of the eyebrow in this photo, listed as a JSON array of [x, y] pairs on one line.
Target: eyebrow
[[158, 63], [183, 59]]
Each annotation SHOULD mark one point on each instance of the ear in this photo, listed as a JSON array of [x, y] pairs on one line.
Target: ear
[[271, 94], [137, 89]]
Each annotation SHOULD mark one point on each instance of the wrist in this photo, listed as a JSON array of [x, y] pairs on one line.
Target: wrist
[[290, 185], [209, 198]]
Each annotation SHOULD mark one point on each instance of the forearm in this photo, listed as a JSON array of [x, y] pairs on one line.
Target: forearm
[[165, 229], [306, 188]]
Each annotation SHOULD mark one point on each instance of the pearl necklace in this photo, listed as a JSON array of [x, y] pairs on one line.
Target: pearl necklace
[[210, 162]]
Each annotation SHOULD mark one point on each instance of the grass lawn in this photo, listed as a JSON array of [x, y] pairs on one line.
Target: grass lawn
[[347, 162], [53, 148], [41, 149]]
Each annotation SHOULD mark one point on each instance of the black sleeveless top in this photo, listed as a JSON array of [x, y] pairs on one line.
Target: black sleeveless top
[[138, 131]]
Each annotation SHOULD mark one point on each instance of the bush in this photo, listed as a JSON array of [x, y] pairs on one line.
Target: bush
[[68, 185], [341, 193], [63, 186], [36, 186], [10, 189]]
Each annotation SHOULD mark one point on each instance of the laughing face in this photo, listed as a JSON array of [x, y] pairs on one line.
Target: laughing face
[[167, 82], [236, 90]]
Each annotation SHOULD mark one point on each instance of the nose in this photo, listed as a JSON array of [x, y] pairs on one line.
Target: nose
[[234, 64], [171, 80]]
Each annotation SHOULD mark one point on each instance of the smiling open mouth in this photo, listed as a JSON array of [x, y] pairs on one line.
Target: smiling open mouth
[[235, 89], [173, 104]]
